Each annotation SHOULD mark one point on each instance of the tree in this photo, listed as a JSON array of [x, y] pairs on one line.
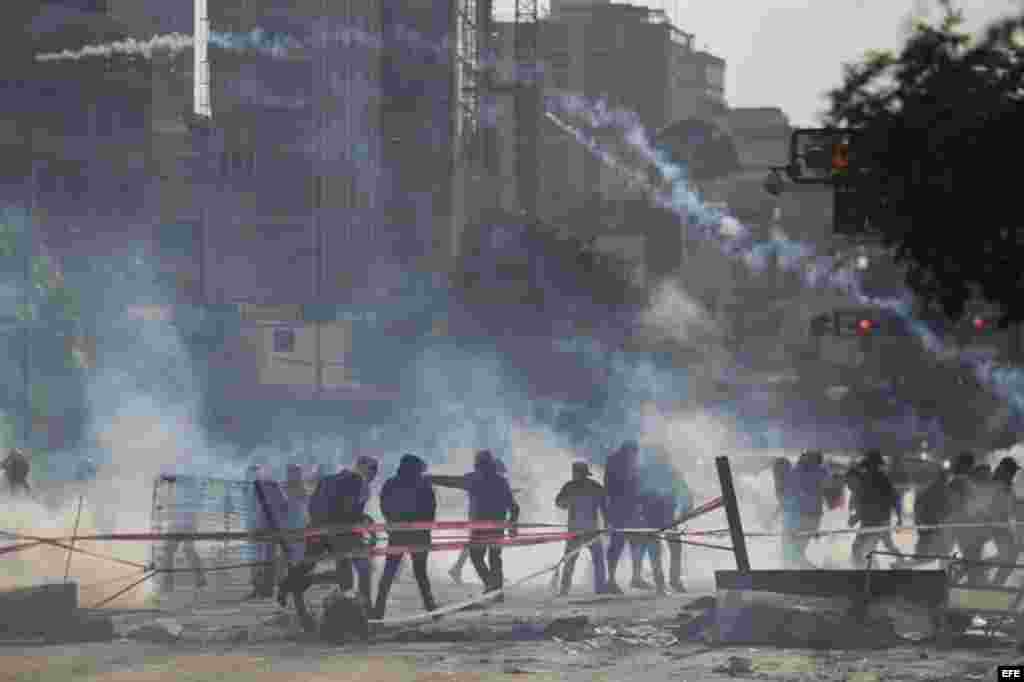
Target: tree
[[49, 315], [938, 127]]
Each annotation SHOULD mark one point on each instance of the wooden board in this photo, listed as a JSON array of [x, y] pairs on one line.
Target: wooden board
[[923, 587]]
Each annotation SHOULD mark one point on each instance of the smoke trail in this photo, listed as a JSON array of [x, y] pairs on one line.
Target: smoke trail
[[173, 44], [731, 237]]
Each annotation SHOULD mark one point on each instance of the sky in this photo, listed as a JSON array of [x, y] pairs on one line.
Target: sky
[[789, 53]]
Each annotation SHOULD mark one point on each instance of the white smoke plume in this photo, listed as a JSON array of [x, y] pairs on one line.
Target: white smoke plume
[[173, 43]]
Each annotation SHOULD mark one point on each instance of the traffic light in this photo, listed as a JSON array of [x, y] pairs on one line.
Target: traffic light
[[840, 158], [823, 325], [866, 326]]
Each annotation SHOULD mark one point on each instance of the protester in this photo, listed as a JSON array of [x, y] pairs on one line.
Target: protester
[[339, 500], [268, 510], [622, 485], [585, 500], [873, 503], [1004, 515], [967, 508], [456, 570], [803, 507], [407, 498], [490, 499], [181, 516], [296, 517], [666, 496], [931, 508], [781, 468], [16, 469]]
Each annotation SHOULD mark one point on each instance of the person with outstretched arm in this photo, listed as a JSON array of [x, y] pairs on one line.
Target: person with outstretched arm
[[407, 498], [490, 499]]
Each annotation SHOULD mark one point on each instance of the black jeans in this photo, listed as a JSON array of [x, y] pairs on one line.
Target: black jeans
[[299, 580], [490, 571], [394, 562]]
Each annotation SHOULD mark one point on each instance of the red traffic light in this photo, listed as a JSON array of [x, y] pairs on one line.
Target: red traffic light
[[979, 323], [864, 326]]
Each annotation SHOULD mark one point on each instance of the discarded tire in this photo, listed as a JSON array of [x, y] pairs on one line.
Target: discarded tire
[[344, 619]]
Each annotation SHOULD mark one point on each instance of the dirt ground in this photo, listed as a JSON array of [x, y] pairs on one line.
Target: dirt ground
[[256, 642]]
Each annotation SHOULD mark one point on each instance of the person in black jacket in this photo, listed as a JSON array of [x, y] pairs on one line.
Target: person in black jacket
[[1003, 511], [622, 485], [346, 495], [16, 468], [490, 499], [874, 502], [407, 498]]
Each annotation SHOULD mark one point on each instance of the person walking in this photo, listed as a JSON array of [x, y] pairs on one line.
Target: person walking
[[622, 485], [490, 499], [267, 509], [585, 501], [873, 505], [296, 515], [16, 469], [456, 570], [181, 514], [931, 508], [407, 498], [1004, 516], [339, 500], [803, 507]]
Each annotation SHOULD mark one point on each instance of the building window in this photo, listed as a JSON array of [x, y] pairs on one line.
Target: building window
[[284, 340]]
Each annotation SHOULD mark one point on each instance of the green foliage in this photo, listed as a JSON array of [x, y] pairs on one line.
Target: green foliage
[[939, 122]]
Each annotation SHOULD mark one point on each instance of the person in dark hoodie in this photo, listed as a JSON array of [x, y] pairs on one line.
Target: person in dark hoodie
[[584, 499], [874, 503], [622, 485], [16, 467], [803, 507], [967, 508], [1003, 512], [407, 498], [268, 509], [931, 507], [339, 500], [490, 499]]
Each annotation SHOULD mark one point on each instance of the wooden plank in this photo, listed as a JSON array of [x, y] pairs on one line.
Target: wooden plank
[[925, 587], [978, 600]]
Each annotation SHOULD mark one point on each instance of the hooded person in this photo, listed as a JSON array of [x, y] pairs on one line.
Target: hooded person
[[1003, 515], [407, 497], [803, 507], [490, 500], [587, 506], [622, 485], [339, 500], [460, 563], [297, 501], [873, 503]]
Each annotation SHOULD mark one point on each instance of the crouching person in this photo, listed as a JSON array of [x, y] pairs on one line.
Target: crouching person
[[339, 500], [407, 498], [584, 499]]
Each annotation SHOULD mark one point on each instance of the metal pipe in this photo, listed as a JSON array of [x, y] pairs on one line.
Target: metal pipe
[[733, 514]]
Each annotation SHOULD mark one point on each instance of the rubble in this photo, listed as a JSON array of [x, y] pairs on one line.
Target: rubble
[[160, 631]]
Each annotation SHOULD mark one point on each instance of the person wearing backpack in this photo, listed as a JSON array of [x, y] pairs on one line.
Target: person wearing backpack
[[874, 502], [490, 499], [407, 498], [338, 500]]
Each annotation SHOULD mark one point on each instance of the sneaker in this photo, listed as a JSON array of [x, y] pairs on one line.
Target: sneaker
[[612, 588], [640, 584], [678, 587]]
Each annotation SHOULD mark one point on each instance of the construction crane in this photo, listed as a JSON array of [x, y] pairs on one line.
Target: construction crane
[[477, 59]]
